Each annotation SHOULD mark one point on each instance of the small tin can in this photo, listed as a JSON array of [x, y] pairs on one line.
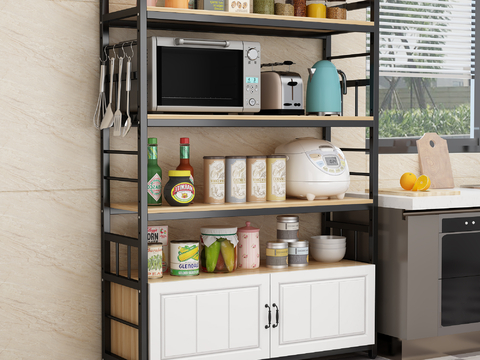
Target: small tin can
[[276, 177], [184, 256], [277, 255], [287, 228], [256, 178], [298, 253], [236, 179], [214, 170], [155, 258]]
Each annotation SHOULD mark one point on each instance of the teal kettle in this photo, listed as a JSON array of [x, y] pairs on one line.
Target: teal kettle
[[324, 95]]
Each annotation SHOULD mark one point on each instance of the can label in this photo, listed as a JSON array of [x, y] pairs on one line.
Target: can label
[[155, 259], [277, 257], [216, 186], [184, 259], [183, 192], [259, 179], [297, 251], [159, 234], [277, 252], [288, 226], [239, 180], [276, 179]]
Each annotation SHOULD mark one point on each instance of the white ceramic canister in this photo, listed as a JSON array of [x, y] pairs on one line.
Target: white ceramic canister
[[248, 247], [184, 256], [155, 259], [287, 228], [277, 255], [236, 179], [298, 253], [256, 178], [214, 176], [276, 177]]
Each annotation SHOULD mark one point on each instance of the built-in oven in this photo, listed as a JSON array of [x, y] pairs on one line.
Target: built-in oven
[[459, 273]]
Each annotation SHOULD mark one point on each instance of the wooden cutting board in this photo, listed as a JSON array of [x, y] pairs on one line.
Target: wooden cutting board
[[430, 192], [435, 161]]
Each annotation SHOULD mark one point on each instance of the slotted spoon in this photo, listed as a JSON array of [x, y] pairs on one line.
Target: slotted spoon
[[117, 122], [108, 117], [128, 86]]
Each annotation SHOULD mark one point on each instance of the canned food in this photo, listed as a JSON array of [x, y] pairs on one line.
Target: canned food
[[184, 257], [256, 178], [236, 179], [298, 253], [276, 177], [214, 169], [277, 255], [155, 252], [287, 227]]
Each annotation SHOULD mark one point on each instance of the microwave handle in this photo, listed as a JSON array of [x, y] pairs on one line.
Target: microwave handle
[[179, 41]]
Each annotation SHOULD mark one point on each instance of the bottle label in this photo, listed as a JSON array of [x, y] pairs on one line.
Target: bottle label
[[152, 153], [184, 152], [258, 187], [154, 187], [239, 177], [183, 192], [216, 184]]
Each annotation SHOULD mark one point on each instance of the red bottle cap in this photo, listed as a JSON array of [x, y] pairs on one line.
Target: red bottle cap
[[184, 141]]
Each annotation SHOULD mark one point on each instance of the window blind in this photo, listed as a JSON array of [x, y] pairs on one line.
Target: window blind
[[427, 38]]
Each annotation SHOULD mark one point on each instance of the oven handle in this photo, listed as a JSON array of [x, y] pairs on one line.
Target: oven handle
[[220, 43]]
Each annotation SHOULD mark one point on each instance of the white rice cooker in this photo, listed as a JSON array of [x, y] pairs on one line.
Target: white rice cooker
[[316, 169]]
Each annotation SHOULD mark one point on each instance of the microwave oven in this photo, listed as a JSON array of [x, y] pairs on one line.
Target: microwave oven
[[200, 75]]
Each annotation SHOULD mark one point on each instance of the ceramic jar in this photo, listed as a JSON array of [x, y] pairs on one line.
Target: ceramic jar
[[248, 247]]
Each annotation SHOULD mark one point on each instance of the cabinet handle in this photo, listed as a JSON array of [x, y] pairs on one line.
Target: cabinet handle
[[276, 316], [269, 316]]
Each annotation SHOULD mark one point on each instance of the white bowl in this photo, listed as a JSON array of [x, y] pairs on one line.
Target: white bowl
[[328, 239], [328, 255], [328, 246]]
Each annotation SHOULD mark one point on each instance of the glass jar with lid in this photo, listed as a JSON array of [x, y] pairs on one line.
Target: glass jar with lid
[[336, 9], [284, 7], [300, 7]]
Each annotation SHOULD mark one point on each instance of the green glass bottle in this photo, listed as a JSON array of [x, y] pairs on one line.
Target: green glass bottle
[[154, 174]]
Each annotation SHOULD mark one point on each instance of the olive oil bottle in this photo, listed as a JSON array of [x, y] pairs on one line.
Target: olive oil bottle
[[154, 174]]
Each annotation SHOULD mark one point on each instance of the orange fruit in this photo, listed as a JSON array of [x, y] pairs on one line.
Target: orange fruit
[[407, 181], [422, 183]]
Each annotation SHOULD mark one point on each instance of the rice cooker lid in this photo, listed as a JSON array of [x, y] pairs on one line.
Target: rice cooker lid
[[302, 145]]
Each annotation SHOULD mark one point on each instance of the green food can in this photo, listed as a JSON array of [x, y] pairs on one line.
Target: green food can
[[184, 258], [155, 258]]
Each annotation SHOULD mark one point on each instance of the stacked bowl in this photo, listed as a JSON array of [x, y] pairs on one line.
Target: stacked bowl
[[328, 248]]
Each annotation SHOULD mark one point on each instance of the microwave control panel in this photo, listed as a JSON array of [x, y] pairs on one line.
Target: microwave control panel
[[252, 76]]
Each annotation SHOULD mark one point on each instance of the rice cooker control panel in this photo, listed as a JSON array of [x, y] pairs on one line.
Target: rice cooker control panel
[[331, 161]]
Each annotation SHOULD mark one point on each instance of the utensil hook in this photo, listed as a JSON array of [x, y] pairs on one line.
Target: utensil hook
[[124, 54], [106, 56], [133, 53], [114, 52]]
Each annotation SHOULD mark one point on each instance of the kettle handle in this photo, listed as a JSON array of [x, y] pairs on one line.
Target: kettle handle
[[344, 81]]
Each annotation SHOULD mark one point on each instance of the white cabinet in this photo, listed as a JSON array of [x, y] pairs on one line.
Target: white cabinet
[[214, 318], [225, 317], [321, 310]]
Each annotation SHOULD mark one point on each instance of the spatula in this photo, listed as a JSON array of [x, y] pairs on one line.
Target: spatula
[[108, 117], [117, 122]]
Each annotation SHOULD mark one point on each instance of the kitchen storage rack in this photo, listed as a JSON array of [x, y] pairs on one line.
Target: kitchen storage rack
[[135, 281]]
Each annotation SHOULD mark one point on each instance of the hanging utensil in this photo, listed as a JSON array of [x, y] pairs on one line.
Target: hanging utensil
[[108, 117], [128, 86], [101, 103], [117, 122]]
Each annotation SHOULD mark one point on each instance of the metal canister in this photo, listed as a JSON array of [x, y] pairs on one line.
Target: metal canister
[[287, 228], [214, 184], [256, 178], [277, 255], [184, 256], [298, 253], [155, 259], [276, 177], [236, 179]]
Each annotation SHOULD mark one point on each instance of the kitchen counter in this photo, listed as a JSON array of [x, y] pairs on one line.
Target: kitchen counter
[[468, 198]]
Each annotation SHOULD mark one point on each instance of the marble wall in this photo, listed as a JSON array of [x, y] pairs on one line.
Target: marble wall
[[50, 286]]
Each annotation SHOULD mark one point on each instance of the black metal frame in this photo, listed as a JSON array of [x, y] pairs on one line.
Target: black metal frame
[[225, 24]]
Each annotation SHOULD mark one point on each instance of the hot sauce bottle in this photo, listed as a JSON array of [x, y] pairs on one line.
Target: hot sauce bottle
[[154, 174], [185, 156]]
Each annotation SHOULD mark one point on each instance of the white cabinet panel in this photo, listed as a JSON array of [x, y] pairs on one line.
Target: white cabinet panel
[[295, 321], [352, 306], [325, 309], [213, 324], [179, 327], [245, 318]]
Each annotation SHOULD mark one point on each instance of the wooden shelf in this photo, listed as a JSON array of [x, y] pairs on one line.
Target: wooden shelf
[[200, 210], [217, 120]]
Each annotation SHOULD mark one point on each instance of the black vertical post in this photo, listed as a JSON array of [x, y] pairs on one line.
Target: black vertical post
[[476, 114], [142, 179]]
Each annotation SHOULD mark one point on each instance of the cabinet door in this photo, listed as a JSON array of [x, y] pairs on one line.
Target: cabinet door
[[323, 309], [217, 318]]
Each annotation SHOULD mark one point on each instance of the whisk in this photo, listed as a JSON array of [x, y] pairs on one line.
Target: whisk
[[102, 101]]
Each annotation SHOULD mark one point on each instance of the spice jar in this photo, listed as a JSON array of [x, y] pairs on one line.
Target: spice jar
[[236, 179], [277, 255], [179, 190], [248, 247], [336, 9], [284, 8], [276, 177], [256, 178], [214, 179], [317, 10], [287, 228], [264, 6], [219, 248], [298, 253], [300, 7]]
